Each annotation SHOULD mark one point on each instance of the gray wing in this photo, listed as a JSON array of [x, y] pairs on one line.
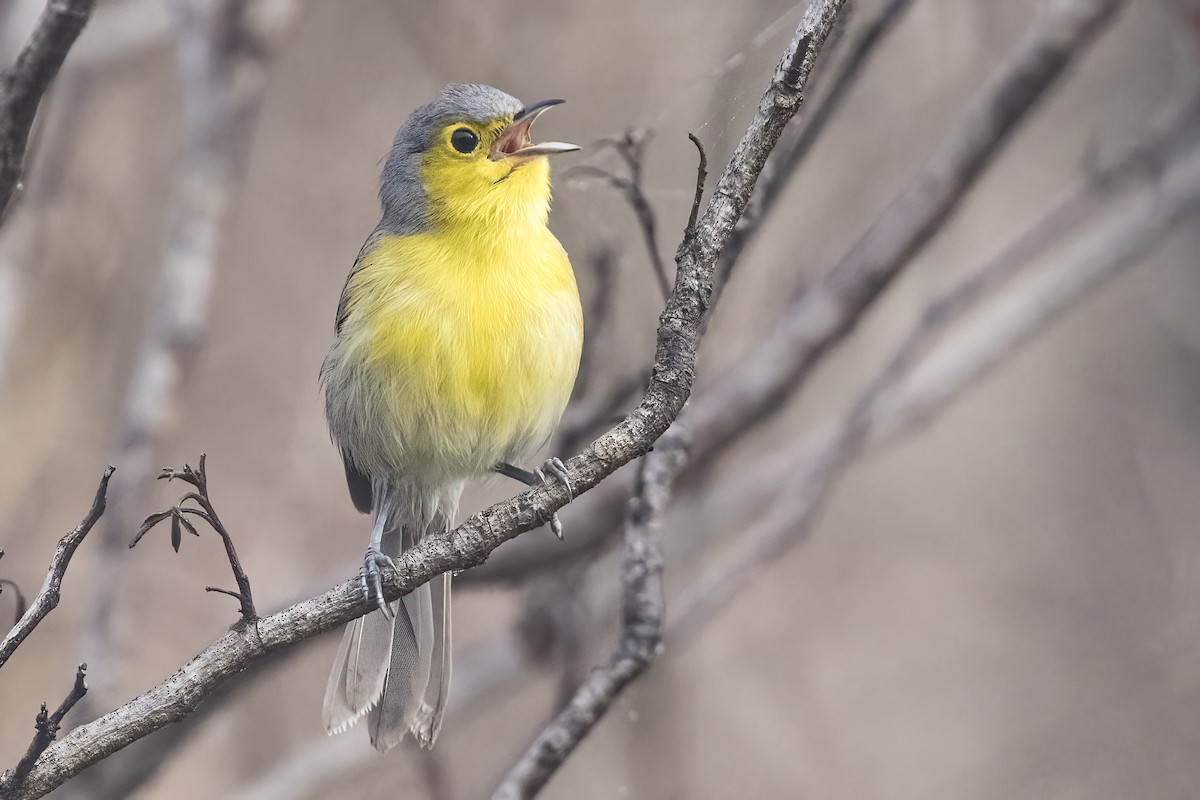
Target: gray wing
[[357, 481], [359, 485]]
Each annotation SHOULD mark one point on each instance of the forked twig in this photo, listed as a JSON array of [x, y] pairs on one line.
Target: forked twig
[[178, 514], [631, 147]]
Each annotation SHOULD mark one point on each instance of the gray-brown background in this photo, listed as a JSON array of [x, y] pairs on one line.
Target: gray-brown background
[[1004, 606]]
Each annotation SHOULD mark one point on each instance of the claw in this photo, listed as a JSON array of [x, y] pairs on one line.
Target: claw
[[558, 471], [372, 579]]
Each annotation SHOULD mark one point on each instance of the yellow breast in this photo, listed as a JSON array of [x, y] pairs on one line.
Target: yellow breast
[[468, 346]]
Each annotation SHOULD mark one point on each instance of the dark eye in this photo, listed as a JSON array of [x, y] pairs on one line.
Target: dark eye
[[464, 140]]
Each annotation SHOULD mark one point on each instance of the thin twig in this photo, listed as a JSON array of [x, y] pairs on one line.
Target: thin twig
[[23, 85], [46, 731], [198, 478], [471, 542], [47, 599], [631, 146], [642, 620]]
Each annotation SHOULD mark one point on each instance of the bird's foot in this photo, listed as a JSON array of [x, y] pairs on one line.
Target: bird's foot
[[558, 469], [374, 562], [555, 469]]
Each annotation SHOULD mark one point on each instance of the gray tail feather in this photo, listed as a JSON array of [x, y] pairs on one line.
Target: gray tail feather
[[395, 673]]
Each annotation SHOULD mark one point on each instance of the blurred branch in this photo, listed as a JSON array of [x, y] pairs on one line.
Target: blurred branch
[[223, 50], [471, 542], [23, 85], [643, 611], [641, 626], [47, 599], [891, 402], [759, 383], [787, 158], [631, 147]]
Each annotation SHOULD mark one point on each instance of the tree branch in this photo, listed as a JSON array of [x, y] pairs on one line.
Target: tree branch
[[631, 146], [472, 542], [1147, 159], [758, 384], [23, 85], [642, 619], [47, 599]]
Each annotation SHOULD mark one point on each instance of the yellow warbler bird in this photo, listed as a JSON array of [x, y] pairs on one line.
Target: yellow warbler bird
[[458, 339]]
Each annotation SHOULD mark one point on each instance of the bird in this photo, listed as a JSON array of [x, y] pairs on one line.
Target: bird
[[457, 342]]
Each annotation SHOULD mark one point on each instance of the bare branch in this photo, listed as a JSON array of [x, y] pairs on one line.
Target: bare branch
[[631, 146], [641, 625], [757, 386], [471, 542], [122, 774], [760, 383], [23, 85], [47, 599]]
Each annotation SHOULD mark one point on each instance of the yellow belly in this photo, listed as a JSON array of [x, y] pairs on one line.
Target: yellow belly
[[461, 354]]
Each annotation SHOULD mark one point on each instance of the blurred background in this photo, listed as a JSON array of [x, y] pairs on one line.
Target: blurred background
[[1005, 603]]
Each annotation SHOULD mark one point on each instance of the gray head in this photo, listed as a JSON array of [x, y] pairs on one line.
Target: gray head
[[469, 138]]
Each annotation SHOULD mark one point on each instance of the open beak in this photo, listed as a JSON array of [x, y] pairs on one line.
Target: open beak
[[515, 142]]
